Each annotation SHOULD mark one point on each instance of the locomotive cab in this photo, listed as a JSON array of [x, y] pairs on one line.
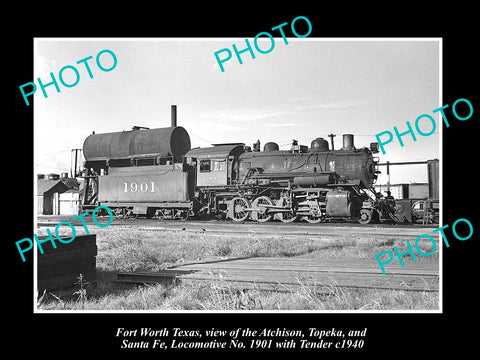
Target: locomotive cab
[[217, 171], [217, 166]]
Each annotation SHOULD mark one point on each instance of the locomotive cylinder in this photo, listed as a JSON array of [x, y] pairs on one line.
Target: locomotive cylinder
[[339, 203], [170, 141]]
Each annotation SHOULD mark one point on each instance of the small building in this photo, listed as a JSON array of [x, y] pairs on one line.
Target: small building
[[57, 195], [69, 202], [48, 196]]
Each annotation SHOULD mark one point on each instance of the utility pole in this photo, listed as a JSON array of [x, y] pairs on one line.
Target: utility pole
[[331, 136], [388, 174], [75, 160]]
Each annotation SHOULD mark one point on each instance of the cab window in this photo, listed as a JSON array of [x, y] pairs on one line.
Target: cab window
[[205, 166], [218, 165]]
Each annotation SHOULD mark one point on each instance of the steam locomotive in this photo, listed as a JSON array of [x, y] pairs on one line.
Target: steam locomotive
[[155, 173]]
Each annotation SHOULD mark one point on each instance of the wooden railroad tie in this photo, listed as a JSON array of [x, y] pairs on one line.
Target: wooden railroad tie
[[288, 274]]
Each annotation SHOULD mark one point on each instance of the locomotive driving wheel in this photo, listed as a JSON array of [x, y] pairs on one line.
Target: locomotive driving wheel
[[313, 219], [365, 216], [238, 209], [261, 214], [287, 216]]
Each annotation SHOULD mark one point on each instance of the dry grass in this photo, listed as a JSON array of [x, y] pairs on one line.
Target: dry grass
[[134, 250], [220, 295]]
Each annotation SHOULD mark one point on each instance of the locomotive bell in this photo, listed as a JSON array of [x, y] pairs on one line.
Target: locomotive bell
[[319, 144]]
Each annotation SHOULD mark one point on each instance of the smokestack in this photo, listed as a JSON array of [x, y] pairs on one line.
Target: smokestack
[[348, 142], [174, 115]]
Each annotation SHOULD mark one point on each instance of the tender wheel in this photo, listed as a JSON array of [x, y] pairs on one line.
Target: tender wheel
[[286, 217], [183, 215], [261, 215], [120, 213], [238, 210], [365, 216], [159, 214], [150, 213]]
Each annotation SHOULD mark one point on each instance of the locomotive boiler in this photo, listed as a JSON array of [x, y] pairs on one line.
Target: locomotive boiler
[[155, 173], [350, 163]]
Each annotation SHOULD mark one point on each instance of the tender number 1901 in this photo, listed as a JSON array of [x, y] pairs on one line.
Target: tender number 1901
[[143, 187]]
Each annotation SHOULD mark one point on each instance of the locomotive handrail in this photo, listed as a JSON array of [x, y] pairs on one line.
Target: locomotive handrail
[[289, 175]]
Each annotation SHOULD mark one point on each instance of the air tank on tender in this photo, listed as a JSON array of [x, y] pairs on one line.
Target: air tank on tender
[[170, 141]]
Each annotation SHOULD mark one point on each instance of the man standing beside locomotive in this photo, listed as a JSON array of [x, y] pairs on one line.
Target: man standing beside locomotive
[[386, 204]]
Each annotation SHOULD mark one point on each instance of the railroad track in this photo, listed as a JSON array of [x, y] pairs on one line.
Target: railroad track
[[290, 274], [48, 220], [271, 229], [275, 232]]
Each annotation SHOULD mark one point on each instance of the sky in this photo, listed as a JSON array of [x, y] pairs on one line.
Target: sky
[[308, 88]]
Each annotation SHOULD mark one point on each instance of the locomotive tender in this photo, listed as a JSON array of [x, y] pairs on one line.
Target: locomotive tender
[[155, 173]]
